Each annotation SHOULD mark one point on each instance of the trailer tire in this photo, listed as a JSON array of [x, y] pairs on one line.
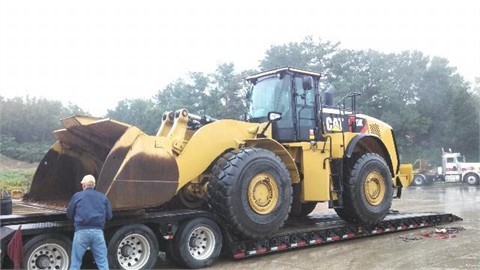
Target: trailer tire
[[251, 189], [472, 179], [368, 190], [133, 247], [47, 251], [198, 243]]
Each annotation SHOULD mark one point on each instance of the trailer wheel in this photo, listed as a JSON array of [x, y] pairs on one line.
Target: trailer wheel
[[368, 190], [251, 189], [133, 247], [472, 179], [419, 179], [198, 243], [47, 251]]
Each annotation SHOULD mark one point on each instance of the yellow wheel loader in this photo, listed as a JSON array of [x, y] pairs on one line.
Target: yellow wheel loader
[[291, 151]]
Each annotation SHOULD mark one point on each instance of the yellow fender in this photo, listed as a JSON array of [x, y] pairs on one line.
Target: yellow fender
[[210, 142], [214, 139], [280, 151]]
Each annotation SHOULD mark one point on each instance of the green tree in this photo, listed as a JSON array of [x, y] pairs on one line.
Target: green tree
[[308, 54], [187, 93], [476, 98], [142, 113], [220, 94], [27, 125], [228, 89], [31, 119]]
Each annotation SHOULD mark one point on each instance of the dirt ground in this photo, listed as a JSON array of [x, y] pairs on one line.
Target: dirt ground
[[7, 163]]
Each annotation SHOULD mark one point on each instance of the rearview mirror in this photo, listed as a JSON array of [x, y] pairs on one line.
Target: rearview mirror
[[307, 83], [274, 116]]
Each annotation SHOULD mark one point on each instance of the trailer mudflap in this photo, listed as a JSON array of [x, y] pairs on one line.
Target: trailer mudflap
[[320, 229]]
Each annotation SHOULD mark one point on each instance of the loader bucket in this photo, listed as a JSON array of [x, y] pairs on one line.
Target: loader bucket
[[133, 169]]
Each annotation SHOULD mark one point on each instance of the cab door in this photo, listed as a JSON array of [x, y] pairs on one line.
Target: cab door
[[304, 110]]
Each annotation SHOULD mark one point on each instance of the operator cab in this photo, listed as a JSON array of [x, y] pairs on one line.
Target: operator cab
[[293, 94]]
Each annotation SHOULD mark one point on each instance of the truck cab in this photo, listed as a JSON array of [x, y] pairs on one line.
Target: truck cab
[[451, 163], [292, 93], [456, 169]]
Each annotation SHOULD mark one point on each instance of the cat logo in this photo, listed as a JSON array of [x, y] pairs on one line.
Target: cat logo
[[333, 124]]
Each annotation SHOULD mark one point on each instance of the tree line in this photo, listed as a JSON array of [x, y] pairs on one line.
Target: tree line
[[428, 104]]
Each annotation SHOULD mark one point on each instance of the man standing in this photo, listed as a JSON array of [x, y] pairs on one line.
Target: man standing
[[89, 210]]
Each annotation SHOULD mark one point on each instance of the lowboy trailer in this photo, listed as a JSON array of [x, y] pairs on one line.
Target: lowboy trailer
[[190, 238]]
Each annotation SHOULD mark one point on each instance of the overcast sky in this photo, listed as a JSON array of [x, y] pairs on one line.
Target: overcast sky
[[95, 53]]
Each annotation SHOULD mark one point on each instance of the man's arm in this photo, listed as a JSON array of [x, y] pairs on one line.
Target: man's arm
[[71, 208], [109, 210]]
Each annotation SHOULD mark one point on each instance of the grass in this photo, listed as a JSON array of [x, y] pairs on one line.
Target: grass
[[16, 179]]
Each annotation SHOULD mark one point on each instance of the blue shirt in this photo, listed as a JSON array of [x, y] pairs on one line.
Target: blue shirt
[[89, 209]]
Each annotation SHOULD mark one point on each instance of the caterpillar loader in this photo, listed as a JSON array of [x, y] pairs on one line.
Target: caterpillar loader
[[291, 152]]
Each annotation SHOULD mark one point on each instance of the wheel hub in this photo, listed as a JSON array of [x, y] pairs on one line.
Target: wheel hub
[[202, 243], [196, 242], [471, 179], [263, 193], [133, 251], [374, 188], [42, 261], [48, 256], [127, 250], [418, 180]]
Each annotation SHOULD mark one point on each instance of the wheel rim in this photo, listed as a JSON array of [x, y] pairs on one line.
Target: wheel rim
[[201, 243], [471, 179], [374, 188], [418, 180], [48, 256], [263, 193], [133, 251]]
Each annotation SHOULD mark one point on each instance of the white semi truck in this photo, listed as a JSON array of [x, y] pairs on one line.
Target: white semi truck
[[454, 169]]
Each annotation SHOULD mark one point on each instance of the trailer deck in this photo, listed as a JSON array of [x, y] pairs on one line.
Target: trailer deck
[[315, 229], [321, 229]]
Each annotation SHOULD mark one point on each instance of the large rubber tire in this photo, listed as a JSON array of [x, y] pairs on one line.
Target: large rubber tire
[[198, 243], [471, 179], [47, 251], [133, 247], [368, 190], [419, 180], [251, 189]]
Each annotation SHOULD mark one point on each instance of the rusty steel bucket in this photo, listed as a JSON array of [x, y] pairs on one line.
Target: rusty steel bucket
[[134, 170]]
